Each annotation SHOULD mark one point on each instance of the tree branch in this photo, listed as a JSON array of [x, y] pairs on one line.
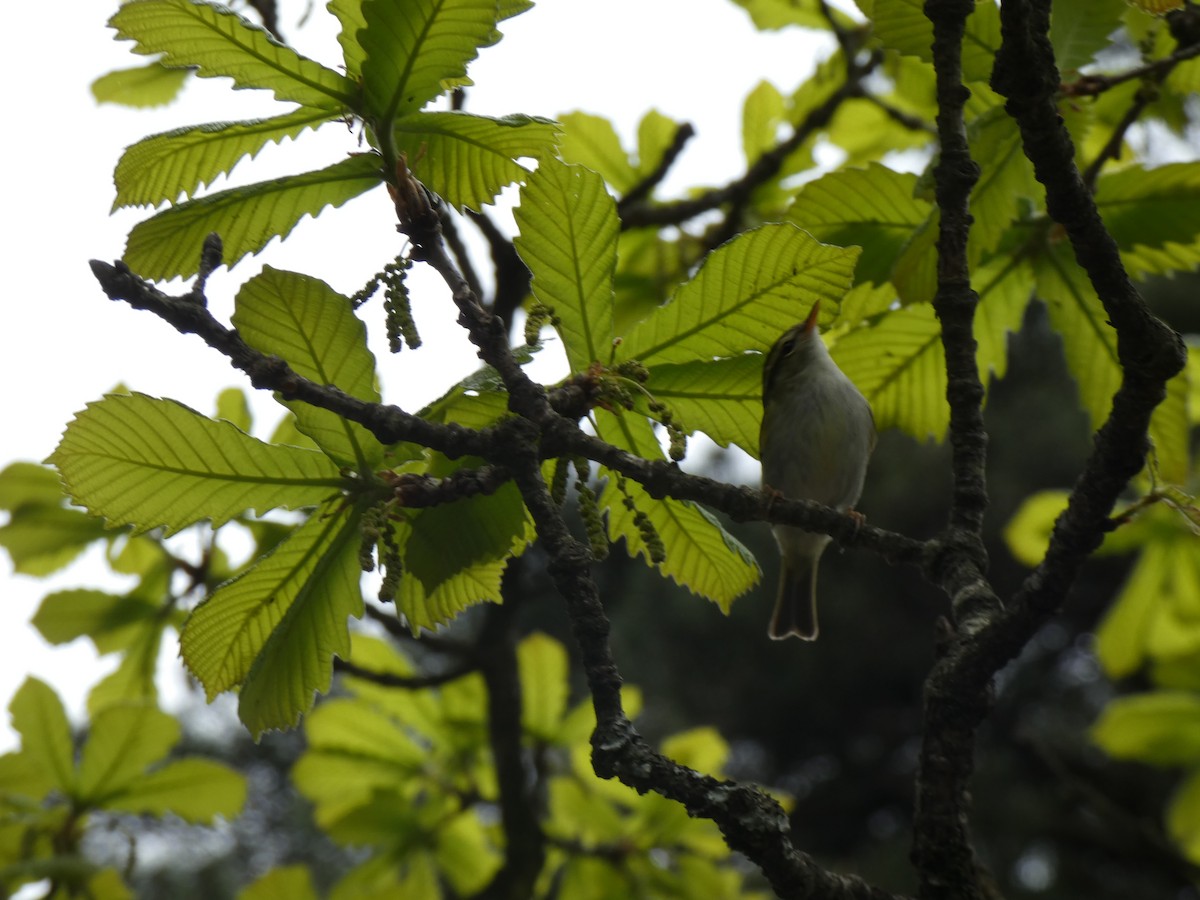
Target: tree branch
[[942, 851]]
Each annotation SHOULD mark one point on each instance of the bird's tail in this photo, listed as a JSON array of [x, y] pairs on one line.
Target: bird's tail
[[796, 605]]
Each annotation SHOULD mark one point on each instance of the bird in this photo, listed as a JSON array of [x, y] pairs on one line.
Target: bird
[[816, 439]]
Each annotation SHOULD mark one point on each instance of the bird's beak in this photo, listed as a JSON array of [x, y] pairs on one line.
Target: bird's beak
[[810, 324]]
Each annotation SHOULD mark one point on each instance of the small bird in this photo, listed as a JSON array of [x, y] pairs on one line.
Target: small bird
[[816, 439]]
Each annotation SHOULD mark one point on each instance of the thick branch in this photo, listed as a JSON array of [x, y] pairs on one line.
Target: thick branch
[[942, 851]]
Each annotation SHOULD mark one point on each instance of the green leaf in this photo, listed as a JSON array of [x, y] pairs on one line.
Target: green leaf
[[1006, 183], [422, 608], [1079, 29], [275, 629], [196, 790], [29, 483], [1183, 818], [163, 166], [234, 408], [1160, 728], [702, 749], [39, 718], [121, 743], [1154, 216], [772, 15], [313, 328], [655, 135], [466, 854], [446, 539], [107, 619], [133, 680], [899, 365], [246, 218], [219, 42], [1005, 287], [1170, 431], [41, 539], [873, 208], [290, 882], [150, 463], [592, 141], [542, 662], [1089, 342], [467, 159], [411, 48], [721, 397], [746, 293], [700, 555], [568, 238], [902, 25], [1154, 615], [1028, 532], [762, 115], [350, 17], [140, 87]]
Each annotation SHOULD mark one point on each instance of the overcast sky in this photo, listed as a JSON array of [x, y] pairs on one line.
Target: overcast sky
[[63, 344]]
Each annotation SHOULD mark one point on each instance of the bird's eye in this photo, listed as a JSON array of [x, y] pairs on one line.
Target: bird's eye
[[788, 346]]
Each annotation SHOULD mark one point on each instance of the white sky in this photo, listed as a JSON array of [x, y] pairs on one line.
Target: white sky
[[63, 344]]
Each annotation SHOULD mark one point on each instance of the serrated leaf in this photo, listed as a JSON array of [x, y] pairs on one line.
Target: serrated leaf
[[720, 397], [121, 743], [542, 662], [411, 48], [350, 18], [247, 218], [568, 239], [873, 208], [1005, 287], [700, 555], [313, 328], [1160, 728], [140, 87], [275, 629], [746, 293], [164, 166], [149, 463], [1170, 431], [428, 609], [219, 42], [466, 159], [41, 539], [39, 718], [1154, 216], [591, 141], [903, 26], [444, 540], [196, 790], [899, 365]]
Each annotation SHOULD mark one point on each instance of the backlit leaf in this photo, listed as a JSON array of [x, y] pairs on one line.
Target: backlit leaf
[[218, 42], [39, 718], [568, 239], [313, 328], [163, 166], [467, 159], [743, 297], [411, 48], [140, 87], [150, 463], [720, 397], [246, 218], [196, 790], [275, 629], [1161, 728]]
